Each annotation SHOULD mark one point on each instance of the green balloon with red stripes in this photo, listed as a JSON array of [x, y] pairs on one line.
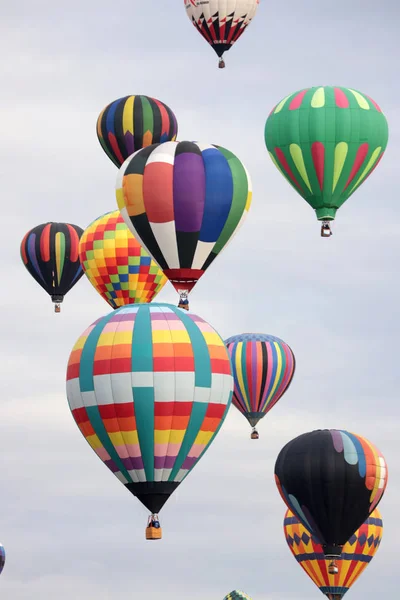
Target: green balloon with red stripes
[[326, 141]]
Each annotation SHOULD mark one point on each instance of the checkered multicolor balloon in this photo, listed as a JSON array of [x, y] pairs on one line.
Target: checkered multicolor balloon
[[116, 264]]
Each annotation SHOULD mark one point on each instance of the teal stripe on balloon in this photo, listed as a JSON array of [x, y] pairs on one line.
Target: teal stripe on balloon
[[86, 382], [202, 362], [198, 413], [97, 423], [216, 431], [143, 397], [203, 379]]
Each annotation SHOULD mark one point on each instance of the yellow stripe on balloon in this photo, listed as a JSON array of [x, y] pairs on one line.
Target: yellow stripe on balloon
[[281, 104], [239, 372], [341, 151], [128, 115], [277, 374], [99, 133], [362, 102], [297, 156], [318, 99], [371, 162]]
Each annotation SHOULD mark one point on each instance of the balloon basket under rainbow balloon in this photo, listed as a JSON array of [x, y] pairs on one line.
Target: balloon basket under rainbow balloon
[[153, 529], [254, 434]]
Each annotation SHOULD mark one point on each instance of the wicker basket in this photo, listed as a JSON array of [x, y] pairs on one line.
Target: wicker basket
[[153, 533]]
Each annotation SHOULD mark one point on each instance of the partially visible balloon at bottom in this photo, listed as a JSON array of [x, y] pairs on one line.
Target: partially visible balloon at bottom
[[357, 553], [237, 595], [2, 557]]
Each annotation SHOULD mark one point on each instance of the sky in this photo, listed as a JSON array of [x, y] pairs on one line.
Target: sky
[[70, 529]]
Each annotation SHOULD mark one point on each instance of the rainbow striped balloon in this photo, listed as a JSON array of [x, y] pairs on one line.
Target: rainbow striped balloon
[[50, 254], [134, 122], [263, 367], [357, 553], [149, 386]]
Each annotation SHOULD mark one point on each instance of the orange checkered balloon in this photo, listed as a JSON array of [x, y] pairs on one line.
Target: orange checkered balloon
[[356, 554], [116, 264]]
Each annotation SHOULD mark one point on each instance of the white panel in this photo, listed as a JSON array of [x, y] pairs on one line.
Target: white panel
[[141, 475], [134, 476], [102, 389], [203, 251], [142, 379], [217, 388], [184, 391], [228, 388], [121, 477], [158, 474], [89, 398], [181, 474], [164, 387], [164, 153], [166, 474], [166, 238], [121, 385], [74, 394], [202, 394]]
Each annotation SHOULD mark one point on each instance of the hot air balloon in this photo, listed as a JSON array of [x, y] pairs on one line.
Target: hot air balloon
[[2, 558], [115, 263], [134, 122], [357, 553], [50, 253], [221, 22], [183, 201], [331, 480], [237, 595], [263, 367], [149, 386], [326, 141]]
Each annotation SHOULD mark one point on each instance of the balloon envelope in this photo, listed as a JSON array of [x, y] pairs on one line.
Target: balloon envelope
[[149, 387], [134, 122], [2, 557], [326, 141], [116, 264], [357, 553], [221, 22], [183, 201], [237, 595], [50, 254], [263, 367], [331, 480]]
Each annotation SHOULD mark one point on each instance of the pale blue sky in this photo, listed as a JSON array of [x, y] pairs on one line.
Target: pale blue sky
[[71, 530]]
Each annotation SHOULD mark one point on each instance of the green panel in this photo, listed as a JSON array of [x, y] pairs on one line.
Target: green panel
[[148, 119], [239, 200]]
